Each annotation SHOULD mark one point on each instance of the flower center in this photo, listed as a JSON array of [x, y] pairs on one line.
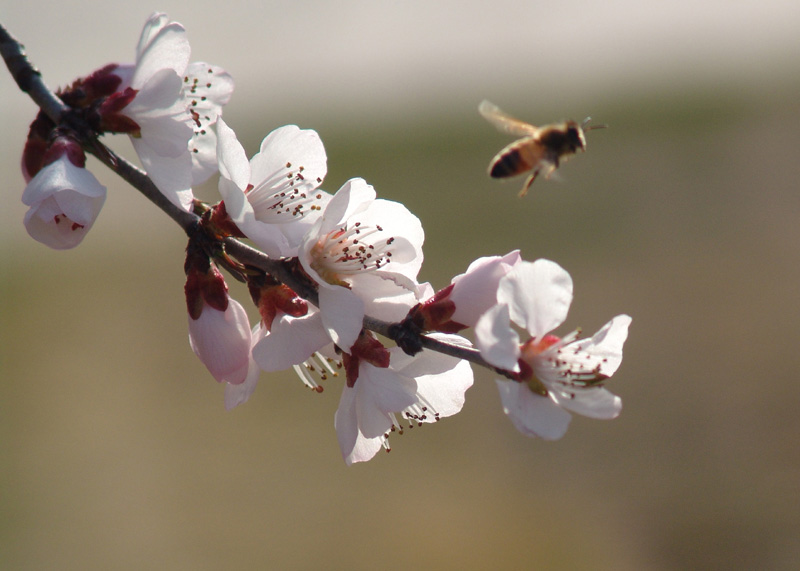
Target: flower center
[[347, 251], [562, 365], [285, 197]]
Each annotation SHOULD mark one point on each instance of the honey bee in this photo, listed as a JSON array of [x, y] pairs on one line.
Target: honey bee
[[539, 150]]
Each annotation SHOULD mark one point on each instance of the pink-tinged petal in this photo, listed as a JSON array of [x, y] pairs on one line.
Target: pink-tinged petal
[[62, 174], [292, 341], [222, 341], [475, 291], [125, 73], [64, 202], [532, 414], [496, 339], [538, 294], [342, 314], [239, 394], [594, 403], [162, 45]]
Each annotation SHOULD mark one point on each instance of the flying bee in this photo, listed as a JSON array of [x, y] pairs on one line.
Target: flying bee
[[539, 150]]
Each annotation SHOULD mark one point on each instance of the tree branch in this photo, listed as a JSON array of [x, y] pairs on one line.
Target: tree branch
[[29, 80]]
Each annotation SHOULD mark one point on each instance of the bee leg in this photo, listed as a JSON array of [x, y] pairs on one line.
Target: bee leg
[[550, 170], [528, 183]]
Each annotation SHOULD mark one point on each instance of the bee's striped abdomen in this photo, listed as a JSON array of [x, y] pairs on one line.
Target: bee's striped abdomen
[[513, 160]]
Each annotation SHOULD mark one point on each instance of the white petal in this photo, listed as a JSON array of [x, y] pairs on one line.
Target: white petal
[[399, 223], [442, 381], [210, 92], [233, 163], [539, 294], [384, 390], [532, 414], [353, 197], [292, 341], [161, 46], [605, 347], [172, 176], [496, 339], [594, 403], [355, 447], [342, 314], [290, 145], [386, 296], [203, 148]]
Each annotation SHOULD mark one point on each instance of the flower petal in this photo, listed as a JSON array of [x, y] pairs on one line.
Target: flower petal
[[64, 202], [538, 294], [354, 196], [442, 381], [355, 447], [239, 394], [475, 291], [604, 348], [171, 175], [532, 414], [162, 45], [291, 341], [496, 340], [222, 341], [594, 403], [290, 159], [342, 314]]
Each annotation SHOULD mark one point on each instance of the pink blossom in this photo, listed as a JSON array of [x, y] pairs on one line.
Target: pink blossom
[[552, 375], [64, 202], [274, 197], [222, 340], [365, 255]]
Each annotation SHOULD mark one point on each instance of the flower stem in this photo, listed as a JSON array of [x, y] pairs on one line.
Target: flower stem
[[29, 80]]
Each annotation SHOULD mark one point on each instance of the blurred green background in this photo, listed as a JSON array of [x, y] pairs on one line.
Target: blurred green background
[[116, 451]]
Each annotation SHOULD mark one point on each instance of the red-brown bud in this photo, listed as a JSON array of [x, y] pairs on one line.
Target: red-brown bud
[[435, 313], [366, 348]]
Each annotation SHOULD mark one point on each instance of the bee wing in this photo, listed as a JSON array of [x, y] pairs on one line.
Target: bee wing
[[504, 122]]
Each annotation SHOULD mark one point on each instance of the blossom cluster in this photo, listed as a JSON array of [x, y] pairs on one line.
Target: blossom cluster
[[358, 255]]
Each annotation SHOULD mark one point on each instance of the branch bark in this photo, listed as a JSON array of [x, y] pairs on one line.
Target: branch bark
[[29, 80]]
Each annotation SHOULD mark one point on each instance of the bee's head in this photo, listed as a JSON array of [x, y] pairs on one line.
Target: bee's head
[[574, 135]]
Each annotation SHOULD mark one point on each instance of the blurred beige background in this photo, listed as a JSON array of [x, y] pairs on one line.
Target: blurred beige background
[[116, 451]]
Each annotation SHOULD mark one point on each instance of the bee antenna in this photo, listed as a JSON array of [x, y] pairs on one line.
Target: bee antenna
[[586, 127]]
